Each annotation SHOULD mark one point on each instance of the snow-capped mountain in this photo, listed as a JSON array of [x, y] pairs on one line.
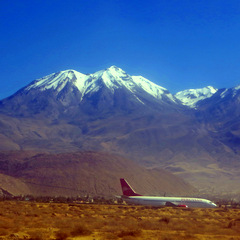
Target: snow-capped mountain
[[191, 97], [112, 78], [73, 94], [111, 111]]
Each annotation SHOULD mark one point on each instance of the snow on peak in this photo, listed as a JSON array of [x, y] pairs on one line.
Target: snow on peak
[[230, 92], [237, 87], [115, 77], [191, 97], [57, 81], [114, 70], [151, 87], [112, 77]]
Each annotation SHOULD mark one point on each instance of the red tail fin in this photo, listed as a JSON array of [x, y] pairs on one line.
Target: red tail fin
[[126, 188]]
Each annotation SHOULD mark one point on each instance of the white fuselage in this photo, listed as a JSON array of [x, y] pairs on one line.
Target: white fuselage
[[169, 201]]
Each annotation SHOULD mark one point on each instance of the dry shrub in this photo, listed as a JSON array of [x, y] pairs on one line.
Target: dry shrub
[[63, 224], [234, 224], [98, 223], [81, 230], [128, 228], [36, 238], [110, 236], [131, 233], [61, 235], [165, 220], [181, 226], [178, 236], [146, 225], [152, 224], [4, 232], [6, 224], [168, 238], [36, 235], [111, 227], [231, 223], [131, 223]]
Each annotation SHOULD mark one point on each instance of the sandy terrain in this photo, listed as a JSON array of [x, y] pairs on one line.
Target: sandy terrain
[[38, 221]]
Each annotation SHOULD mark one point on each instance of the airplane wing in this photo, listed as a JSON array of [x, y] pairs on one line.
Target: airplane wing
[[170, 204], [174, 204]]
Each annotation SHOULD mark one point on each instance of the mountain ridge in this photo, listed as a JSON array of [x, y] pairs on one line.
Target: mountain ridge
[[104, 93], [64, 77], [112, 77]]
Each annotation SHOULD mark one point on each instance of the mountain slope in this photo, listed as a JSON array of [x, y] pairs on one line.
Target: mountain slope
[[81, 173], [222, 112], [223, 106]]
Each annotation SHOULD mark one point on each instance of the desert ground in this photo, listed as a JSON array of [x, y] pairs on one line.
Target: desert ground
[[38, 221]]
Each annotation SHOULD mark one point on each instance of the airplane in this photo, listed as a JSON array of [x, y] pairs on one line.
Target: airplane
[[131, 197]]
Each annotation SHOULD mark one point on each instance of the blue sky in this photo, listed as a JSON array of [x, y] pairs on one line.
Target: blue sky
[[175, 44]]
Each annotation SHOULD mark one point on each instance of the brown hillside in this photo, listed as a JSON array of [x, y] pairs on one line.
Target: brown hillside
[[95, 173], [12, 186]]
